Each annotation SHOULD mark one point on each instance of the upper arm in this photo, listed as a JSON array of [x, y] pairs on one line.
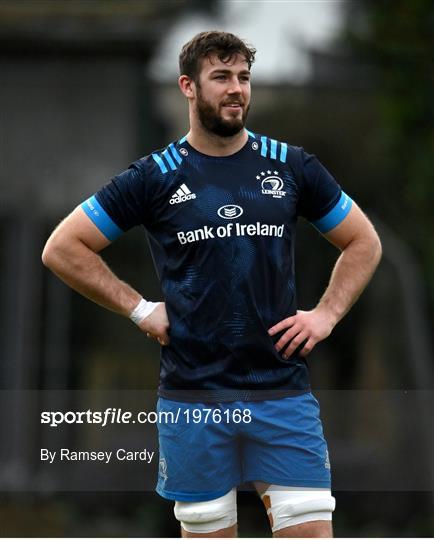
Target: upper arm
[[117, 207], [354, 226], [77, 226], [330, 210], [102, 218]]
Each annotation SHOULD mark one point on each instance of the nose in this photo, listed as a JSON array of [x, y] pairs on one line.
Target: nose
[[235, 87]]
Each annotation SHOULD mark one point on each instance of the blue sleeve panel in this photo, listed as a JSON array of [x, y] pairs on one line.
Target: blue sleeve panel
[[101, 219], [321, 200], [335, 215]]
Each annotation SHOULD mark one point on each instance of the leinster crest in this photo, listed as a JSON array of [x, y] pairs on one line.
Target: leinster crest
[[271, 184]]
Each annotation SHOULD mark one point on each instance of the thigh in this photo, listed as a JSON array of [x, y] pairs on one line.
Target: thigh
[[285, 443], [199, 460]]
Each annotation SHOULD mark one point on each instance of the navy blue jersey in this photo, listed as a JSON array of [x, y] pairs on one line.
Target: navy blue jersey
[[222, 233]]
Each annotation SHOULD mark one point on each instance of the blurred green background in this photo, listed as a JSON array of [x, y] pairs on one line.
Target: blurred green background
[[84, 90]]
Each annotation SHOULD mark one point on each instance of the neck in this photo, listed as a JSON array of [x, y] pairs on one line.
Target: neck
[[214, 145]]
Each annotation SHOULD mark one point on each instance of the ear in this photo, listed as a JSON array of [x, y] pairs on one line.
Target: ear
[[187, 86]]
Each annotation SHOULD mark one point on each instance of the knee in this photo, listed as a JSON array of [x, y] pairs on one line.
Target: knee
[[208, 516], [287, 507]]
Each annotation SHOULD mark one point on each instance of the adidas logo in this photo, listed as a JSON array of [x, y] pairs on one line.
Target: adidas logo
[[181, 195]]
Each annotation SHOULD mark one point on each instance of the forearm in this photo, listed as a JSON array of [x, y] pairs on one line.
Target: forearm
[[86, 272], [352, 272], [360, 254]]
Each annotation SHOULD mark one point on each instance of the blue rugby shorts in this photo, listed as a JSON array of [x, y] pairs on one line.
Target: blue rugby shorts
[[282, 444]]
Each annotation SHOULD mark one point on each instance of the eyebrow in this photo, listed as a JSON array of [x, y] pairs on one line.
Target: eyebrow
[[244, 72]]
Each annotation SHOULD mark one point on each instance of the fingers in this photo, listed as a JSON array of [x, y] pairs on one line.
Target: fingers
[[286, 323], [296, 336], [295, 342], [165, 338], [310, 344], [286, 337], [162, 340], [298, 330]]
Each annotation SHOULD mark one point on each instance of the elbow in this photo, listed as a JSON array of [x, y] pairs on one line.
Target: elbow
[[56, 251], [49, 254], [64, 253], [377, 249]]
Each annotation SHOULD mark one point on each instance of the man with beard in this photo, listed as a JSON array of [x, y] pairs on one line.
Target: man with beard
[[220, 207]]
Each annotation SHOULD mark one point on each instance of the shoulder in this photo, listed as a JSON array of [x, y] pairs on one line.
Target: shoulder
[[153, 171], [281, 151], [161, 162]]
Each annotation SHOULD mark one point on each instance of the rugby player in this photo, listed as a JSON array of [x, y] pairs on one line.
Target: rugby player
[[220, 207]]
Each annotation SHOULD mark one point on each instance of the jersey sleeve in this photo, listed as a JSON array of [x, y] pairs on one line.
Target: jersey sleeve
[[121, 204], [321, 199]]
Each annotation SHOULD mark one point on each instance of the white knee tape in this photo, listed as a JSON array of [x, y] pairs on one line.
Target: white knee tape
[[287, 506], [208, 516]]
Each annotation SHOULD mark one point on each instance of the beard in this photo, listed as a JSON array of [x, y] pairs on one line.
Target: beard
[[211, 118]]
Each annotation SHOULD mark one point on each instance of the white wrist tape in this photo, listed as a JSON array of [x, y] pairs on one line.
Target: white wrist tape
[[142, 310]]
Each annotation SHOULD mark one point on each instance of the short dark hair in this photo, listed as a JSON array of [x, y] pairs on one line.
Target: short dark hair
[[204, 44]]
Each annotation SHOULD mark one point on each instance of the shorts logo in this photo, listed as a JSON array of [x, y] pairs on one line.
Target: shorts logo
[[181, 195], [230, 211], [271, 184], [163, 469], [327, 461]]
